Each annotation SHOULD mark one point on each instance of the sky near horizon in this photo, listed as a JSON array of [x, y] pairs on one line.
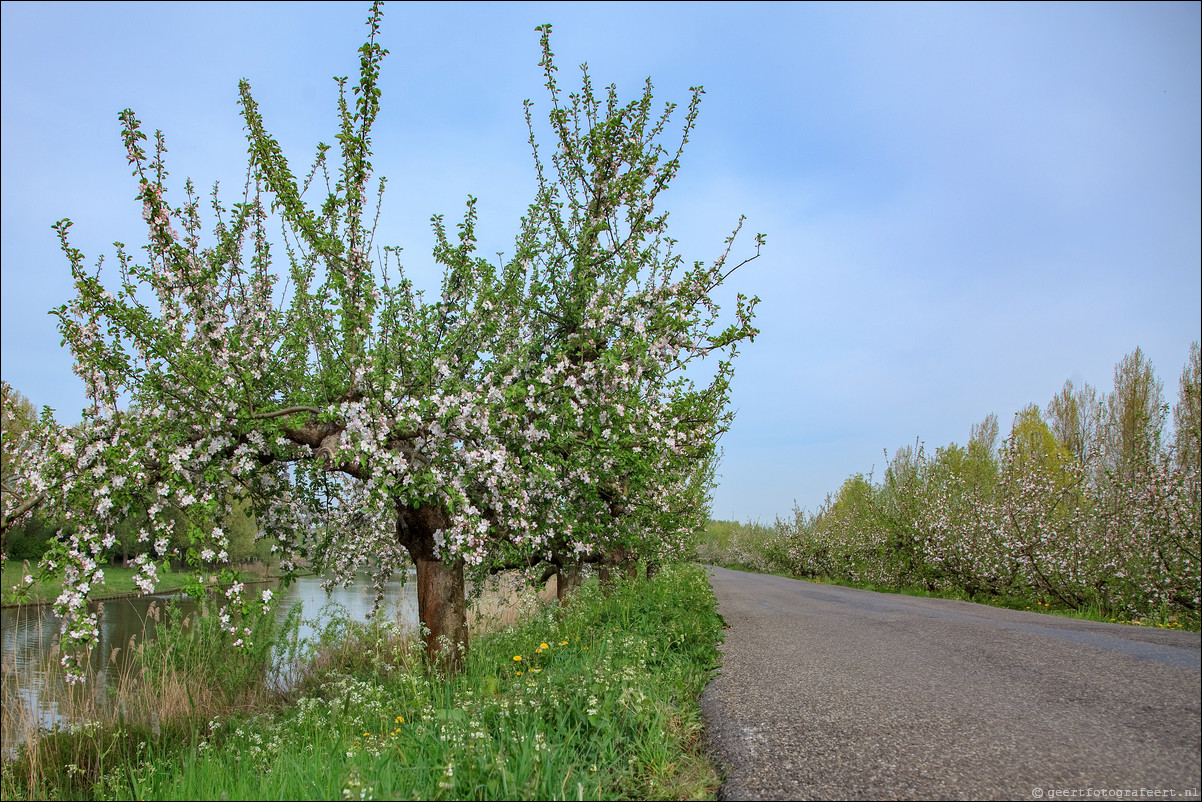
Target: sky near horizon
[[965, 204]]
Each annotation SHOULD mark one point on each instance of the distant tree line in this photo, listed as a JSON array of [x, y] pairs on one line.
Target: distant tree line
[[1090, 503]]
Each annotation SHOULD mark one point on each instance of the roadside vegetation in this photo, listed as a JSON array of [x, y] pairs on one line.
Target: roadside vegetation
[[1088, 508], [266, 382], [745, 546], [593, 699]]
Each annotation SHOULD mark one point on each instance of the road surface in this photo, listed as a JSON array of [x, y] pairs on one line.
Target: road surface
[[835, 693]]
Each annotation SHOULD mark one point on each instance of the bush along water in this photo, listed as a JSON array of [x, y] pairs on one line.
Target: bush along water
[[595, 699]]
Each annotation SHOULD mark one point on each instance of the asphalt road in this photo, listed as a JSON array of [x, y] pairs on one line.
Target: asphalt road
[[834, 693]]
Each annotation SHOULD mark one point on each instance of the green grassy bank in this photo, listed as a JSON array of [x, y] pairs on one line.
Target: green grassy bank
[[118, 581], [593, 700]]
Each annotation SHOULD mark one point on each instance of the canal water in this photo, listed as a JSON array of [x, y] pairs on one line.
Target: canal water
[[29, 636]]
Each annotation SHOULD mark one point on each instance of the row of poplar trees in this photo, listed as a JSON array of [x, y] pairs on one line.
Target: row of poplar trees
[[1093, 502]]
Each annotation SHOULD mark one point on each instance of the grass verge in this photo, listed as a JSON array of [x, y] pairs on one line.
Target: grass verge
[[593, 700]]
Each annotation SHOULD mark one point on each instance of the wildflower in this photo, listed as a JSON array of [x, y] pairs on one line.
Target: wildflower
[[543, 646], [517, 658]]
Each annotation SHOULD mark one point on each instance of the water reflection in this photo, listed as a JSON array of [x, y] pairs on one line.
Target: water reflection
[[33, 688]]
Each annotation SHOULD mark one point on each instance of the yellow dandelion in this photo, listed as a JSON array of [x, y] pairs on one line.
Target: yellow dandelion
[[400, 719], [517, 658], [563, 643], [543, 646]]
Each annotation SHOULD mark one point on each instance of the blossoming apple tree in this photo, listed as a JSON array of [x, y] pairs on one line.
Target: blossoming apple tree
[[540, 409], [619, 321]]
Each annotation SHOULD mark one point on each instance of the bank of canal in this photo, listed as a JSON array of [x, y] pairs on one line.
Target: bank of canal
[[32, 687]]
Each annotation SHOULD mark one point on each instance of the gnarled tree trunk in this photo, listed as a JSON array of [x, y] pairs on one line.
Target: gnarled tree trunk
[[442, 611], [568, 579], [441, 605], [617, 562]]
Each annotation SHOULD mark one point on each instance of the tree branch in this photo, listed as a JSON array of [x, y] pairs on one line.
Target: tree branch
[[280, 413], [10, 517]]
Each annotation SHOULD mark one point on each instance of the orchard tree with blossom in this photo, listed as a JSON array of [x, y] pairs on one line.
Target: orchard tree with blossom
[[619, 319], [540, 410], [1086, 509]]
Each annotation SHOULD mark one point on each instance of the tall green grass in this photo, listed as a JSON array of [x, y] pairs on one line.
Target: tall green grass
[[163, 691], [593, 700]]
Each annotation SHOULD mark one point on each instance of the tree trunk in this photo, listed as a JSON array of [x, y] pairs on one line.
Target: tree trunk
[[568, 579], [612, 565], [441, 605], [442, 611]]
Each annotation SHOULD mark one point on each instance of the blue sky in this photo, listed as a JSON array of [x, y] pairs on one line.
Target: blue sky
[[965, 205]]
